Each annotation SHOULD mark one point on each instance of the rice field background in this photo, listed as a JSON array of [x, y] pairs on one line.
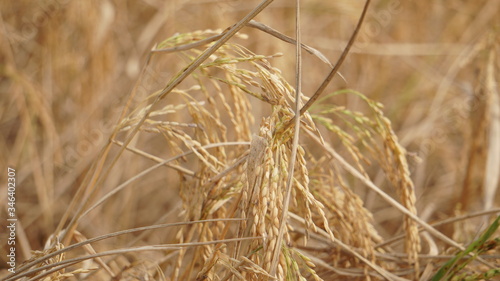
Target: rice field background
[[128, 168]]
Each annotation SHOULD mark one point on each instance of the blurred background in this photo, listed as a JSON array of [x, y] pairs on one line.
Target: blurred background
[[67, 69]]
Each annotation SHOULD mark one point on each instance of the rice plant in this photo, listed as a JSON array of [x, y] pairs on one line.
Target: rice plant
[[227, 153]]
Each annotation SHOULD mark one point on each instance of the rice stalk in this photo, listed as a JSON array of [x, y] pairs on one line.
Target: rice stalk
[[188, 146]]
